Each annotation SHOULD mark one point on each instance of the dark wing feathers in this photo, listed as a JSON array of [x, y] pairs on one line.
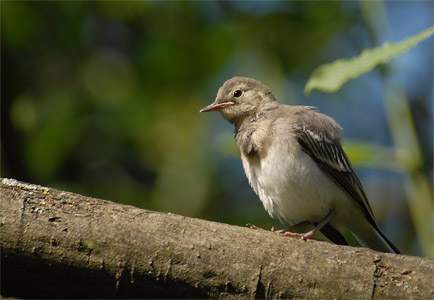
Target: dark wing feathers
[[331, 158]]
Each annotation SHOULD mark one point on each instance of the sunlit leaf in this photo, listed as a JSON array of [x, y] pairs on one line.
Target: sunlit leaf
[[330, 77]]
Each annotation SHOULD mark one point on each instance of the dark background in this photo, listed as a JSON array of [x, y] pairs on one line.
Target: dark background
[[102, 98]]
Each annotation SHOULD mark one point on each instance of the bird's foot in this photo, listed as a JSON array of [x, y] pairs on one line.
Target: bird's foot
[[286, 232], [282, 231], [251, 226], [304, 236]]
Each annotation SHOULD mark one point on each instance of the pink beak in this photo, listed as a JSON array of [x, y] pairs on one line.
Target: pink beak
[[216, 106]]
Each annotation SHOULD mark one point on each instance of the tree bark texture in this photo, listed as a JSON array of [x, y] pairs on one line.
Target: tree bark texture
[[56, 244]]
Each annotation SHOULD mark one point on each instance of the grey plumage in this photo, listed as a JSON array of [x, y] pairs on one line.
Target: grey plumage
[[293, 159]]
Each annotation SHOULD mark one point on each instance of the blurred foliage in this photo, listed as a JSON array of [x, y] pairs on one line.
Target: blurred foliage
[[331, 77], [102, 98]]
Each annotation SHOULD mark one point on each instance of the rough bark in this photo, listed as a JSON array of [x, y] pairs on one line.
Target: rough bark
[[56, 244]]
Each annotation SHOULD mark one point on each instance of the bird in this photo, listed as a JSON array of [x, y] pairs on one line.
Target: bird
[[294, 161]]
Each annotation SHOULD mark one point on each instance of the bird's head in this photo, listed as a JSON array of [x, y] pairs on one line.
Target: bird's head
[[240, 97]]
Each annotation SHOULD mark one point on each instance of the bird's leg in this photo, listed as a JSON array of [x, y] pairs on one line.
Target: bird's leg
[[310, 234], [292, 228], [304, 236]]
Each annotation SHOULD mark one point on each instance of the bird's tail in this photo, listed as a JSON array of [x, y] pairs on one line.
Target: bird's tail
[[376, 240]]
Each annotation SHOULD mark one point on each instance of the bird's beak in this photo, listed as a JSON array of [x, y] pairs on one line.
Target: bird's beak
[[216, 106]]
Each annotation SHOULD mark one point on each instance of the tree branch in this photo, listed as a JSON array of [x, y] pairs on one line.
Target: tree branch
[[56, 244]]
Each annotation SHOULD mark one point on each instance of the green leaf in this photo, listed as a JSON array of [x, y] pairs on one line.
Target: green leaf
[[330, 77]]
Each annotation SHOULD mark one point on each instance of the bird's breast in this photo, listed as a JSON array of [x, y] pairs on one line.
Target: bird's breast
[[288, 182]]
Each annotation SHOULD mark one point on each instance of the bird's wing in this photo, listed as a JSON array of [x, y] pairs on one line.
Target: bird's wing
[[331, 158]]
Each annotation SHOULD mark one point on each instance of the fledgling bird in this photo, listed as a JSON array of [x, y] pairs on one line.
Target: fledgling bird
[[293, 159]]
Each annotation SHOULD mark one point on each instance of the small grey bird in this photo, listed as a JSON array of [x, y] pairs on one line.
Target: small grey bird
[[293, 159]]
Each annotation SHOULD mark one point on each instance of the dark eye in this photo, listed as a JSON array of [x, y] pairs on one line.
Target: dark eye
[[238, 93]]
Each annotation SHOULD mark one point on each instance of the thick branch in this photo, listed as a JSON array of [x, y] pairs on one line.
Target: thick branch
[[57, 244]]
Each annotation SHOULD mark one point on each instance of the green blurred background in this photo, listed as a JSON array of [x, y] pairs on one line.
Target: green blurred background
[[102, 98]]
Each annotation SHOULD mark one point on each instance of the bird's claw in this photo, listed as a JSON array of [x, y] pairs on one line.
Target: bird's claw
[[304, 236], [251, 226], [285, 232]]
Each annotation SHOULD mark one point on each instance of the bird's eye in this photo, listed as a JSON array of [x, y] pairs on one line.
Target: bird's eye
[[238, 93]]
